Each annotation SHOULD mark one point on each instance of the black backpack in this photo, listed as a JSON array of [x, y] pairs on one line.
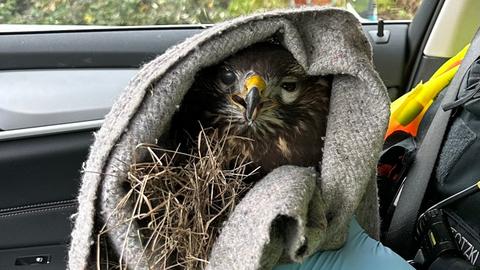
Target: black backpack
[[449, 229]]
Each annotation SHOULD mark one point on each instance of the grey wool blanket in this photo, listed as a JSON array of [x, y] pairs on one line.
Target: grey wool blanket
[[293, 211]]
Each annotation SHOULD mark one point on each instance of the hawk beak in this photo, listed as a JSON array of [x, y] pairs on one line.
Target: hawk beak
[[254, 86], [252, 101]]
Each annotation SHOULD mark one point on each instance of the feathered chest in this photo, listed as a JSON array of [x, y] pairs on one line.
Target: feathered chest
[[294, 138]]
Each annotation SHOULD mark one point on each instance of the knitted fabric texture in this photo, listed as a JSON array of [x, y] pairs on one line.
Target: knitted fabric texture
[[293, 211]]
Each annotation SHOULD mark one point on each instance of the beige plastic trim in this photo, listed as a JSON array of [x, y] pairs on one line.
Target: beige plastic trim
[[455, 26]]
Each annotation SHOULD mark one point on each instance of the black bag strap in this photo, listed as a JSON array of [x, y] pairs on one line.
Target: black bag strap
[[400, 235]]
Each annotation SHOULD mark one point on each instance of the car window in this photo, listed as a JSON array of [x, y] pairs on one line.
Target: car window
[[168, 12]]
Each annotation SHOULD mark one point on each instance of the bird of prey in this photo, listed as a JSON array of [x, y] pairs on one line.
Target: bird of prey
[[263, 97]]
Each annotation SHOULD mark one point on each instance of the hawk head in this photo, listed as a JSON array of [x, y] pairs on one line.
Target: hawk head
[[263, 96]]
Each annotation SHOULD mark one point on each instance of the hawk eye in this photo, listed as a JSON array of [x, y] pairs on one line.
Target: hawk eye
[[289, 86], [227, 77]]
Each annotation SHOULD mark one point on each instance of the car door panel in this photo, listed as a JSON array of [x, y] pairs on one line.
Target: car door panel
[[40, 180], [50, 257], [104, 48], [58, 96], [390, 57], [42, 169], [37, 225]]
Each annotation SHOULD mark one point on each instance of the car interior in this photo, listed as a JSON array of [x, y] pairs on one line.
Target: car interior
[[56, 85]]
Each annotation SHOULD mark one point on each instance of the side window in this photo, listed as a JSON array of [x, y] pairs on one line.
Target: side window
[[383, 9], [156, 12]]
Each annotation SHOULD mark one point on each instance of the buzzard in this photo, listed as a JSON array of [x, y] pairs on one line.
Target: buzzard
[[273, 111]]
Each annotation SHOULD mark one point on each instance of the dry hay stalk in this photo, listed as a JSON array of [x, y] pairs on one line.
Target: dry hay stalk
[[182, 199]]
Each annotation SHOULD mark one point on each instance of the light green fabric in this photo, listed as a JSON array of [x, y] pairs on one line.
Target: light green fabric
[[360, 252]]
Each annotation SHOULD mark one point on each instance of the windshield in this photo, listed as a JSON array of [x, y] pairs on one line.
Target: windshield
[[168, 12]]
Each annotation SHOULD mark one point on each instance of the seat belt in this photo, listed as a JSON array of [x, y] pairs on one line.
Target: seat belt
[[400, 235]]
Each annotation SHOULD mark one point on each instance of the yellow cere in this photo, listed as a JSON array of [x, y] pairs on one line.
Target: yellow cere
[[255, 81]]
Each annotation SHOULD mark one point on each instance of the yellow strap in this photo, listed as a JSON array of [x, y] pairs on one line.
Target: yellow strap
[[406, 109]]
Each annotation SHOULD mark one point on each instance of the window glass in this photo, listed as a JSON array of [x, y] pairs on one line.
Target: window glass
[[156, 12], [397, 9]]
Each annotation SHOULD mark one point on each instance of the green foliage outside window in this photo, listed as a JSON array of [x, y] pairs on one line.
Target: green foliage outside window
[[397, 9], [155, 12]]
